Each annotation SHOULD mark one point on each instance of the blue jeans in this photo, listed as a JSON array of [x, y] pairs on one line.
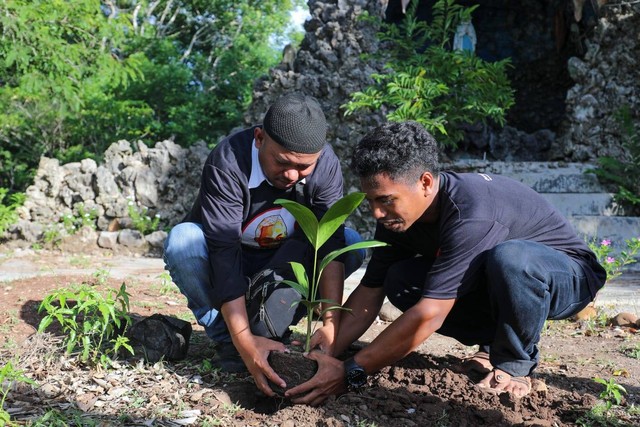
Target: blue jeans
[[186, 258], [519, 285]]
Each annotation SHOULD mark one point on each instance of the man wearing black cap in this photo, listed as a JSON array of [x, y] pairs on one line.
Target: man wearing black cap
[[229, 252]]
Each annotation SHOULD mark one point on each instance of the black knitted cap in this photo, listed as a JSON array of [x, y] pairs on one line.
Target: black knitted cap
[[297, 122]]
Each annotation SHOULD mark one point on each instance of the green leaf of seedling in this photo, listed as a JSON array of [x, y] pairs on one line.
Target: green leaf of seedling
[[360, 245], [300, 273], [301, 289], [336, 215], [305, 218]]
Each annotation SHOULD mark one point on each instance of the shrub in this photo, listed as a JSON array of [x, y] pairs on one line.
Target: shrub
[[8, 214], [624, 173], [433, 85], [141, 220], [89, 320], [613, 265]]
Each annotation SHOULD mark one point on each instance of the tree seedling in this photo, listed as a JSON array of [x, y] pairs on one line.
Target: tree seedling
[[318, 232]]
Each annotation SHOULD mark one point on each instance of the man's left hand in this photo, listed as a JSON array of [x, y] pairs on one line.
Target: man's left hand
[[327, 381], [324, 339]]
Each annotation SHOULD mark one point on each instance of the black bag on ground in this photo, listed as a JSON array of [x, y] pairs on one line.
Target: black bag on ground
[[160, 337], [271, 304]]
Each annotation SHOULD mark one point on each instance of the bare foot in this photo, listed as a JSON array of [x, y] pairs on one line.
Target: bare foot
[[479, 363], [498, 381]]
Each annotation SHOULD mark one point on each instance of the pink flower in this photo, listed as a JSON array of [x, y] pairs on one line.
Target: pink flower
[[605, 242], [610, 260]]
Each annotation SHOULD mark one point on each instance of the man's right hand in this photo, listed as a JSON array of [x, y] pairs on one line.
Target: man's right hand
[[253, 349], [254, 352]]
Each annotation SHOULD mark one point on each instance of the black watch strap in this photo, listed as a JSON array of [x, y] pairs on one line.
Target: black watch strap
[[354, 375]]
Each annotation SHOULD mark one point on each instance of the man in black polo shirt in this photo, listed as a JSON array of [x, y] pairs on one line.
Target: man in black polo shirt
[[236, 236], [477, 257]]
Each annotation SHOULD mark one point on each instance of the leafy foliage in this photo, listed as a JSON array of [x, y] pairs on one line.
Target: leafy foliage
[[613, 265], [612, 393], [624, 172], [56, 54], [9, 375], [141, 220], [89, 320], [8, 215], [76, 76], [318, 232], [431, 84]]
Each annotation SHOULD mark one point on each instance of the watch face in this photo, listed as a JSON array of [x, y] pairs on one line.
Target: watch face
[[356, 378]]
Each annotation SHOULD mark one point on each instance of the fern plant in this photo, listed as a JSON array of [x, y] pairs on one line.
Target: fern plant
[[318, 232], [428, 82]]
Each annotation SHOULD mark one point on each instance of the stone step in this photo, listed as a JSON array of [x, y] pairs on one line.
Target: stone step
[[594, 204], [614, 228], [559, 182], [544, 177]]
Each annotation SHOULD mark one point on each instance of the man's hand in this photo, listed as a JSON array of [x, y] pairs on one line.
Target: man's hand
[[253, 349], [255, 356], [324, 339], [327, 381]]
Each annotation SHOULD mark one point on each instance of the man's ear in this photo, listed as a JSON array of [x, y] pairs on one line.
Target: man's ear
[[258, 135], [429, 183]]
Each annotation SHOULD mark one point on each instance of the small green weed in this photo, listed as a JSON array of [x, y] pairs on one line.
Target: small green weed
[[100, 276], [598, 322], [612, 393], [601, 414], [52, 236], [166, 285], [232, 408], [89, 320], [70, 417], [141, 219], [8, 376], [632, 352], [81, 217]]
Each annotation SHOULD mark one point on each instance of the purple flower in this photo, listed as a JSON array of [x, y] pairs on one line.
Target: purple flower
[[610, 260], [605, 242]]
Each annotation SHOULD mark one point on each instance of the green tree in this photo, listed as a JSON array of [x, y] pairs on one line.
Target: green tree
[[53, 53], [76, 76], [432, 84]]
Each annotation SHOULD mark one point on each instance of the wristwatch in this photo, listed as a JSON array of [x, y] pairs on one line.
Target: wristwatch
[[354, 375]]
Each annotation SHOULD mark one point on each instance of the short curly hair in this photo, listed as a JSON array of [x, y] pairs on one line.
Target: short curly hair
[[403, 150]]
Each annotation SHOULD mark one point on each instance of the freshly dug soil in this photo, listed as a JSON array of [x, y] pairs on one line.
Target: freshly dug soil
[[292, 367]]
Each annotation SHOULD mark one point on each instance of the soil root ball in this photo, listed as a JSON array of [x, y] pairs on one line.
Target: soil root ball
[[292, 367]]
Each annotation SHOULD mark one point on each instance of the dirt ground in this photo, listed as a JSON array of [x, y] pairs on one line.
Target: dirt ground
[[420, 390]]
